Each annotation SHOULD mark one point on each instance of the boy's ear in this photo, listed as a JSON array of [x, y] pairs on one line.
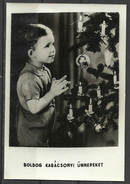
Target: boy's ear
[[31, 53]]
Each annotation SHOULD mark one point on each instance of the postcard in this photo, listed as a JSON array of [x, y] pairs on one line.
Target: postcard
[[65, 92]]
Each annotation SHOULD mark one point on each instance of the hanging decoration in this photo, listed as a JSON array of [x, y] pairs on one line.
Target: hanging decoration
[[98, 128], [81, 128], [70, 134], [83, 61]]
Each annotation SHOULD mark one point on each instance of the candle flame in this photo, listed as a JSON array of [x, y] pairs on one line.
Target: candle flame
[[70, 106], [114, 72]]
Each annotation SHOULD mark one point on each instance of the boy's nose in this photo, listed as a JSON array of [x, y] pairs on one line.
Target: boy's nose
[[53, 48]]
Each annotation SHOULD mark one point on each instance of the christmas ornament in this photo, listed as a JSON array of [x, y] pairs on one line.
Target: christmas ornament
[[103, 27], [70, 134], [83, 61], [80, 24], [80, 89], [108, 57], [98, 128], [81, 128]]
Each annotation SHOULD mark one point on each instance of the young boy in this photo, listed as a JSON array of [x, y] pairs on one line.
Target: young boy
[[36, 91]]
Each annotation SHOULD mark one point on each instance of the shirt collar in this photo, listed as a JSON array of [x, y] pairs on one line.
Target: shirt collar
[[32, 68]]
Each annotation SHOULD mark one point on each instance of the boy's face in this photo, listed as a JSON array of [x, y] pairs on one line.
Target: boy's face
[[44, 49]]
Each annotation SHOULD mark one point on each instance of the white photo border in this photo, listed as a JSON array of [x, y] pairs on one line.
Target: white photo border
[[112, 158]]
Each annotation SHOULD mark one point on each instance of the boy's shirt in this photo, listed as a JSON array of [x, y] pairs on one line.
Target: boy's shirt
[[34, 83]]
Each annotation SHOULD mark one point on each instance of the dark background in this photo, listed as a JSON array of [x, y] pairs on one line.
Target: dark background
[[127, 127]]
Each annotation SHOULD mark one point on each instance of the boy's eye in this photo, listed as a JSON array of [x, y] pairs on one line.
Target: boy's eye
[[47, 45]]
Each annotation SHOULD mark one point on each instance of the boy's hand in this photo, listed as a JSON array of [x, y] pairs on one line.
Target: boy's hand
[[59, 86]]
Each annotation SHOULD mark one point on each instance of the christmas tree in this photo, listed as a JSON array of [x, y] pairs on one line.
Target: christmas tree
[[99, 102]]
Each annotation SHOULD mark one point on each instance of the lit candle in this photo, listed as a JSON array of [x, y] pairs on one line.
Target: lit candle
[[70, 111], [115, 77], [103, 27], [98, 92], [80, 24], [90, 105], [80, 88]]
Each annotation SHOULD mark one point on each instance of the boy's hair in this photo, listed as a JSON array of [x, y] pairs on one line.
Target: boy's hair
[[31, 33]]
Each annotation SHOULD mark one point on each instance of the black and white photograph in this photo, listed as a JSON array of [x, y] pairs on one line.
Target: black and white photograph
[[65, 92], [55, 103]]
